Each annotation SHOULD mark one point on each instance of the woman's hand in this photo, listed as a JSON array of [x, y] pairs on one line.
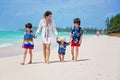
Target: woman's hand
[[56, 38]]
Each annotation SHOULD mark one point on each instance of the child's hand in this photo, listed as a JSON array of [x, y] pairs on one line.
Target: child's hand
[[22, 45], [80, 42], [35, 36]]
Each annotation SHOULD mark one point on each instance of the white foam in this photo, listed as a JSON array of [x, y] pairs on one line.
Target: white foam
[[5, 45]]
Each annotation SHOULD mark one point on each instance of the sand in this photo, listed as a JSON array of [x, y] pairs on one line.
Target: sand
[[99, 59]]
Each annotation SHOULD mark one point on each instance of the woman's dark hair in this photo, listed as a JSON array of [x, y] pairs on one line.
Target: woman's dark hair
[[28, 25], [47, 13], [77, 20]]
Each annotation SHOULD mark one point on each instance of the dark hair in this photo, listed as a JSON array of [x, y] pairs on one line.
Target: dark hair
[[77, 20], [47, 13], [28, 25]]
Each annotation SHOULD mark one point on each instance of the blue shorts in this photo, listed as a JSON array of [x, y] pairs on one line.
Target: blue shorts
[[61, 53]]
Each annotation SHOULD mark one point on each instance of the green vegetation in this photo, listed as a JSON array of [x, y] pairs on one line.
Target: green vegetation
[[59, 29], [34, 29], [68, 29], [86, 30], [113, 25], [90, 30]]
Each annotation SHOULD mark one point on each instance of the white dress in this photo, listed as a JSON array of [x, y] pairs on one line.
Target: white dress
[[47, 30]]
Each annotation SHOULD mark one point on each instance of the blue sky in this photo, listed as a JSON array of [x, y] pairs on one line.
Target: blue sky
[[15, 13]]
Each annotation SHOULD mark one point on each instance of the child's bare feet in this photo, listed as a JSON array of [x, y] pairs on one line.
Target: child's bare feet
[[73, 58], [60, 59], [30, 62], [22, 63]]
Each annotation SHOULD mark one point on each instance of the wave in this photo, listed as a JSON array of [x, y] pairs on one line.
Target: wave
[[5, 45]]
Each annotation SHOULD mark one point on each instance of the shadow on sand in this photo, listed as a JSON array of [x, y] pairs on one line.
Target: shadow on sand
[[71, 60], [64, 61], [36, 62]]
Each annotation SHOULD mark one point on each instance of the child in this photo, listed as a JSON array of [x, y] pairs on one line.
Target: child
[[62, 48], [98, 33], [76, 38], [28, 42]]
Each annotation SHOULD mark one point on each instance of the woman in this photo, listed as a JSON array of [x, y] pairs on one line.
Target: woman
[[48, 28]]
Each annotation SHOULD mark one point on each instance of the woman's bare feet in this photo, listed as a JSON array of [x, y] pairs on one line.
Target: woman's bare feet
[[48, 62], [45, 61]]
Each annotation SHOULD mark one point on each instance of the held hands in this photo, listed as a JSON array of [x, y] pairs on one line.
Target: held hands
[[80, 42], [36, 36], [70, 41], [22, 45], [56, 38]]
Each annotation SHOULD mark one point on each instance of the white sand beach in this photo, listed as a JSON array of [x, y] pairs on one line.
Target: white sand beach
[[99, 59]]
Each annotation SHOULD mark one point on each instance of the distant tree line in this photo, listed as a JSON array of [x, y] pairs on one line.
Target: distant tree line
[[68, 29], [113, 24], [90, 30], [86, 30], [59, 29]]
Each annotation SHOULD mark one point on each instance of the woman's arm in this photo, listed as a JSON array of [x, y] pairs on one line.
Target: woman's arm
[[39, 28], [57, 39], [54, 29]]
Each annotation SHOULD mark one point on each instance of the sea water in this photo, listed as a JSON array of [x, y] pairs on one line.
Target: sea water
[[9, 38]]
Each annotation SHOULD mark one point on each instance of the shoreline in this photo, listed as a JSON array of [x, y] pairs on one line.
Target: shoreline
[[16, 49]]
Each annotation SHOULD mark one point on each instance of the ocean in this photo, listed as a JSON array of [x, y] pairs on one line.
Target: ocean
[[9, 38]]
